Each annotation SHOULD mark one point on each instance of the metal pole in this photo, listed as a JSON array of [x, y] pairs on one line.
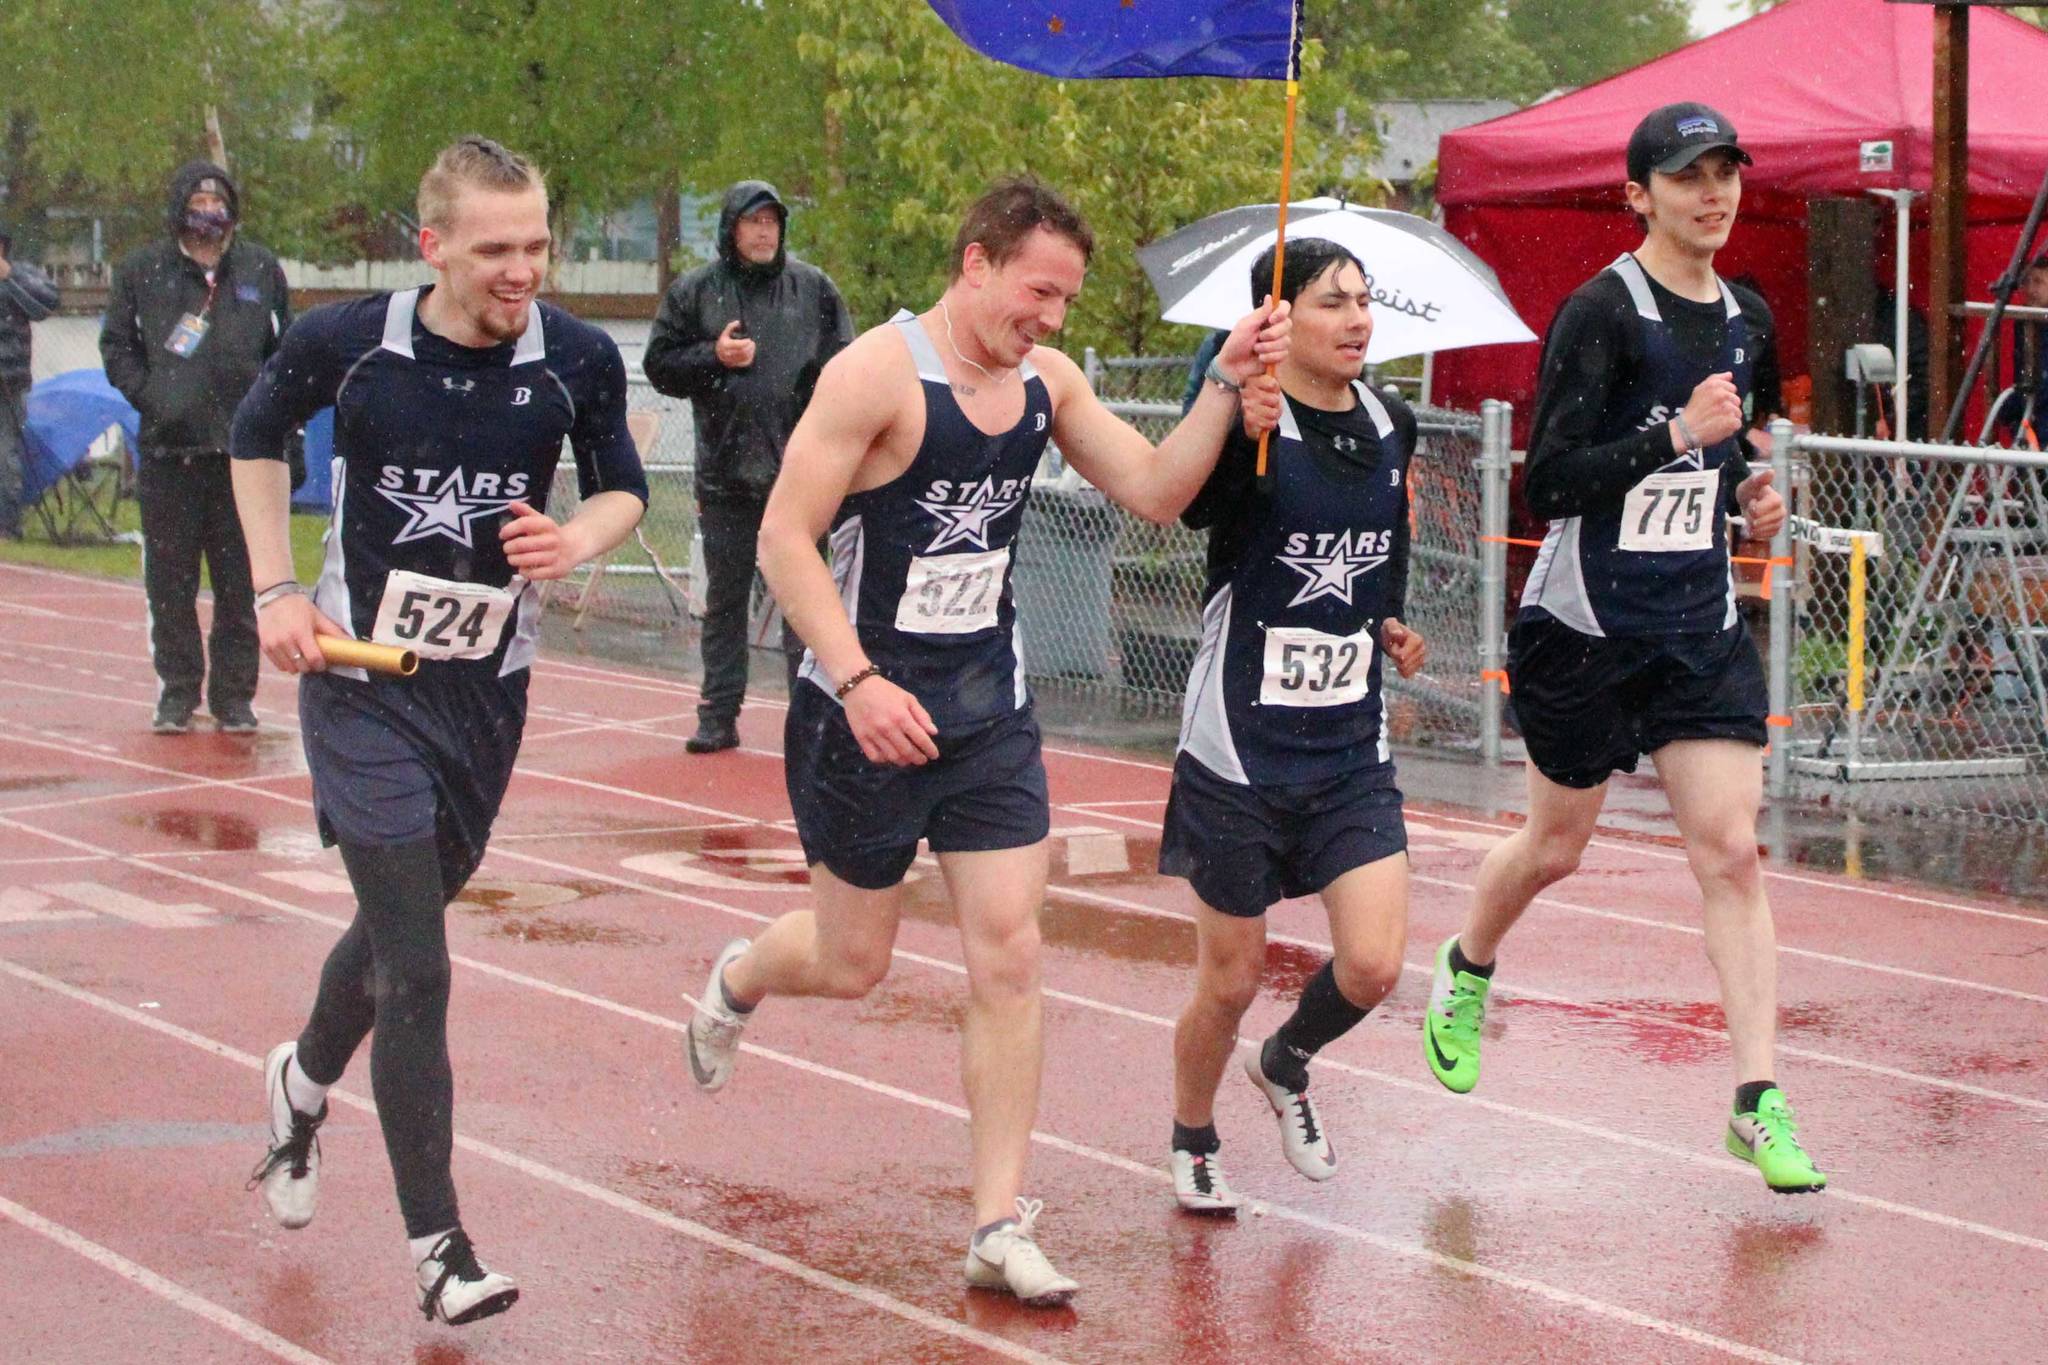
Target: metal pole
[[1779, 772], [1902, 282], [1091, 368], [2008, 285], [1495, 424]]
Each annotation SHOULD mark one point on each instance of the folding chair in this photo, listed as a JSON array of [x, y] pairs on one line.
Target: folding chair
[[77, 504], [645, 424]]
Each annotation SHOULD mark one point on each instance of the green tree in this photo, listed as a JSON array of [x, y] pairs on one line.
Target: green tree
[[102, 98], [602, 96], [888, 125], [1429, 49], [1582, 41]]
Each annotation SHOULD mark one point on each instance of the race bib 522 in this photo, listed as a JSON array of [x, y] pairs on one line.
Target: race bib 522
[[952, 594]]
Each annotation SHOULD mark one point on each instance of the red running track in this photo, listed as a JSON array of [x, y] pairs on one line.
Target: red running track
[[164, 909]]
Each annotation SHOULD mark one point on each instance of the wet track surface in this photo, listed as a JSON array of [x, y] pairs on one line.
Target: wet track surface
[[164, 909]]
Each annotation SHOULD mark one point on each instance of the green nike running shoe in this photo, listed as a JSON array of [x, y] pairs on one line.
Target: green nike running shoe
[[1450, 1027], [1765, 1139]]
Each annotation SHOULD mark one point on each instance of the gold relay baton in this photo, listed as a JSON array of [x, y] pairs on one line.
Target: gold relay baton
[[346, 653]]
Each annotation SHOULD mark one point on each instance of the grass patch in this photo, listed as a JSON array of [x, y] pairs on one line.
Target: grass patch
[[123, 559]]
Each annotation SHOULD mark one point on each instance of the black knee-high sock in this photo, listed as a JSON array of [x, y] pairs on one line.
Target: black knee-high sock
[[343, 1010], [1321, 1018], [399, 892]]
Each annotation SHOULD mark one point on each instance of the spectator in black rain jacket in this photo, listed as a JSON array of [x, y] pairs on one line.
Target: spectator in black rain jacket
[[26, 295], [743, 339], [190, 320]]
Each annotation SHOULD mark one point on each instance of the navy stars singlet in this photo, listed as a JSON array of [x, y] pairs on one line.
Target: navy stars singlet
[[432, 441], [923, 562], [1285, 687], [1655, 562]]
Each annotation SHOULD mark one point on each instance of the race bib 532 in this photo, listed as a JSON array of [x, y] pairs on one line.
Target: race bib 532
[[1308, 668]]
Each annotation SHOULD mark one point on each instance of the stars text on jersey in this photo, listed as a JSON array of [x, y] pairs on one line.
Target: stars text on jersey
[[444, 502], [1331, 562]]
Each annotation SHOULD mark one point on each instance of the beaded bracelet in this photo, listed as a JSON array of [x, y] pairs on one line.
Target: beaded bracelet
[[855, 681]]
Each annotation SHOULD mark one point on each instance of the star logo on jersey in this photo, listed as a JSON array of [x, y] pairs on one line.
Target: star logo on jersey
[[1332, 565], [445, 511], [964, 516]]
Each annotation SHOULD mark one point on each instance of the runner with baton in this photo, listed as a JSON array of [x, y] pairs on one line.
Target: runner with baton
[[451, 405]]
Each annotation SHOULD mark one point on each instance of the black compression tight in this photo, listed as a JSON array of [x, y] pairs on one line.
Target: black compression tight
[[390, 971]]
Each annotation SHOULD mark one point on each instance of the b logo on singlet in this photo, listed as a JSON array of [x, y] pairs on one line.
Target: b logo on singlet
[[1040, 424], [521, 397], [444, 503]]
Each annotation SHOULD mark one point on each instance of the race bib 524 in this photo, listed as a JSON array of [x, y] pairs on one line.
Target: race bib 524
[[439, 619]]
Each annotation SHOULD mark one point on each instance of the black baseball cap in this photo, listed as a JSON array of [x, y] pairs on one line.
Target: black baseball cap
[[1672, 138]]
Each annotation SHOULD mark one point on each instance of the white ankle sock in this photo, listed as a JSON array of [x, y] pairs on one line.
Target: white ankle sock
[[422, 1246], [305, 1094]]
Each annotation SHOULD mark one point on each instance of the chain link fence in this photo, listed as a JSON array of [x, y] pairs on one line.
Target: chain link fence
[[1911, 662], [1110, 605]]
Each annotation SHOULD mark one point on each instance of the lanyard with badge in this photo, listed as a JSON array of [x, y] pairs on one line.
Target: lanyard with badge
[[191, 329]]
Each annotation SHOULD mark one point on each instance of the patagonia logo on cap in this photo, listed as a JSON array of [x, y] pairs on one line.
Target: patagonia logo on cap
[[1693, 127]]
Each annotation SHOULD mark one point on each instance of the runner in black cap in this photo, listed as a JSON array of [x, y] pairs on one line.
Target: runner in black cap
[[1628, 641]]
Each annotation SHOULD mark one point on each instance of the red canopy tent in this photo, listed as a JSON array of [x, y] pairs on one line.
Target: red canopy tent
[[1537, 194]]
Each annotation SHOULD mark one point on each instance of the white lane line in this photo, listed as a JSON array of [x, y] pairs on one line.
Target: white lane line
[[1427, 969], [1812, 954], [1526, 991], [653, 683], [1796, 878], [1166, 770], [145, 1278], [1717, 1165], [1393, 1246], [562, 1180]]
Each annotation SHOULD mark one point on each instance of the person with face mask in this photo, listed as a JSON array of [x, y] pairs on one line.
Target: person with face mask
[[190, 320], [26, 296], [743, 338]]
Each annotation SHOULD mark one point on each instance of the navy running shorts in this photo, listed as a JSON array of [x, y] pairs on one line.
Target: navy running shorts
[[1589, 706], [1242, 847], [862, 820], [397, 760]]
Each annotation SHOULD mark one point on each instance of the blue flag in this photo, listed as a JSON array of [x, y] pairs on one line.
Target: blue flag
[[1094, 39]]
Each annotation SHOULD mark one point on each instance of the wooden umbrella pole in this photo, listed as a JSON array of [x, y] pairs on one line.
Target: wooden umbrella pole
[[1280, 242]]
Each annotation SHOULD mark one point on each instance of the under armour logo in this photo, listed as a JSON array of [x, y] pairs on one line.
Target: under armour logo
[[448, 383], [1344, 442], [521, 397]]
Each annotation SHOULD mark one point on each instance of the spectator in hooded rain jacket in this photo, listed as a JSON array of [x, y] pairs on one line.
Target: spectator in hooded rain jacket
[[26, 296], [190, 320], [742, 338]]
